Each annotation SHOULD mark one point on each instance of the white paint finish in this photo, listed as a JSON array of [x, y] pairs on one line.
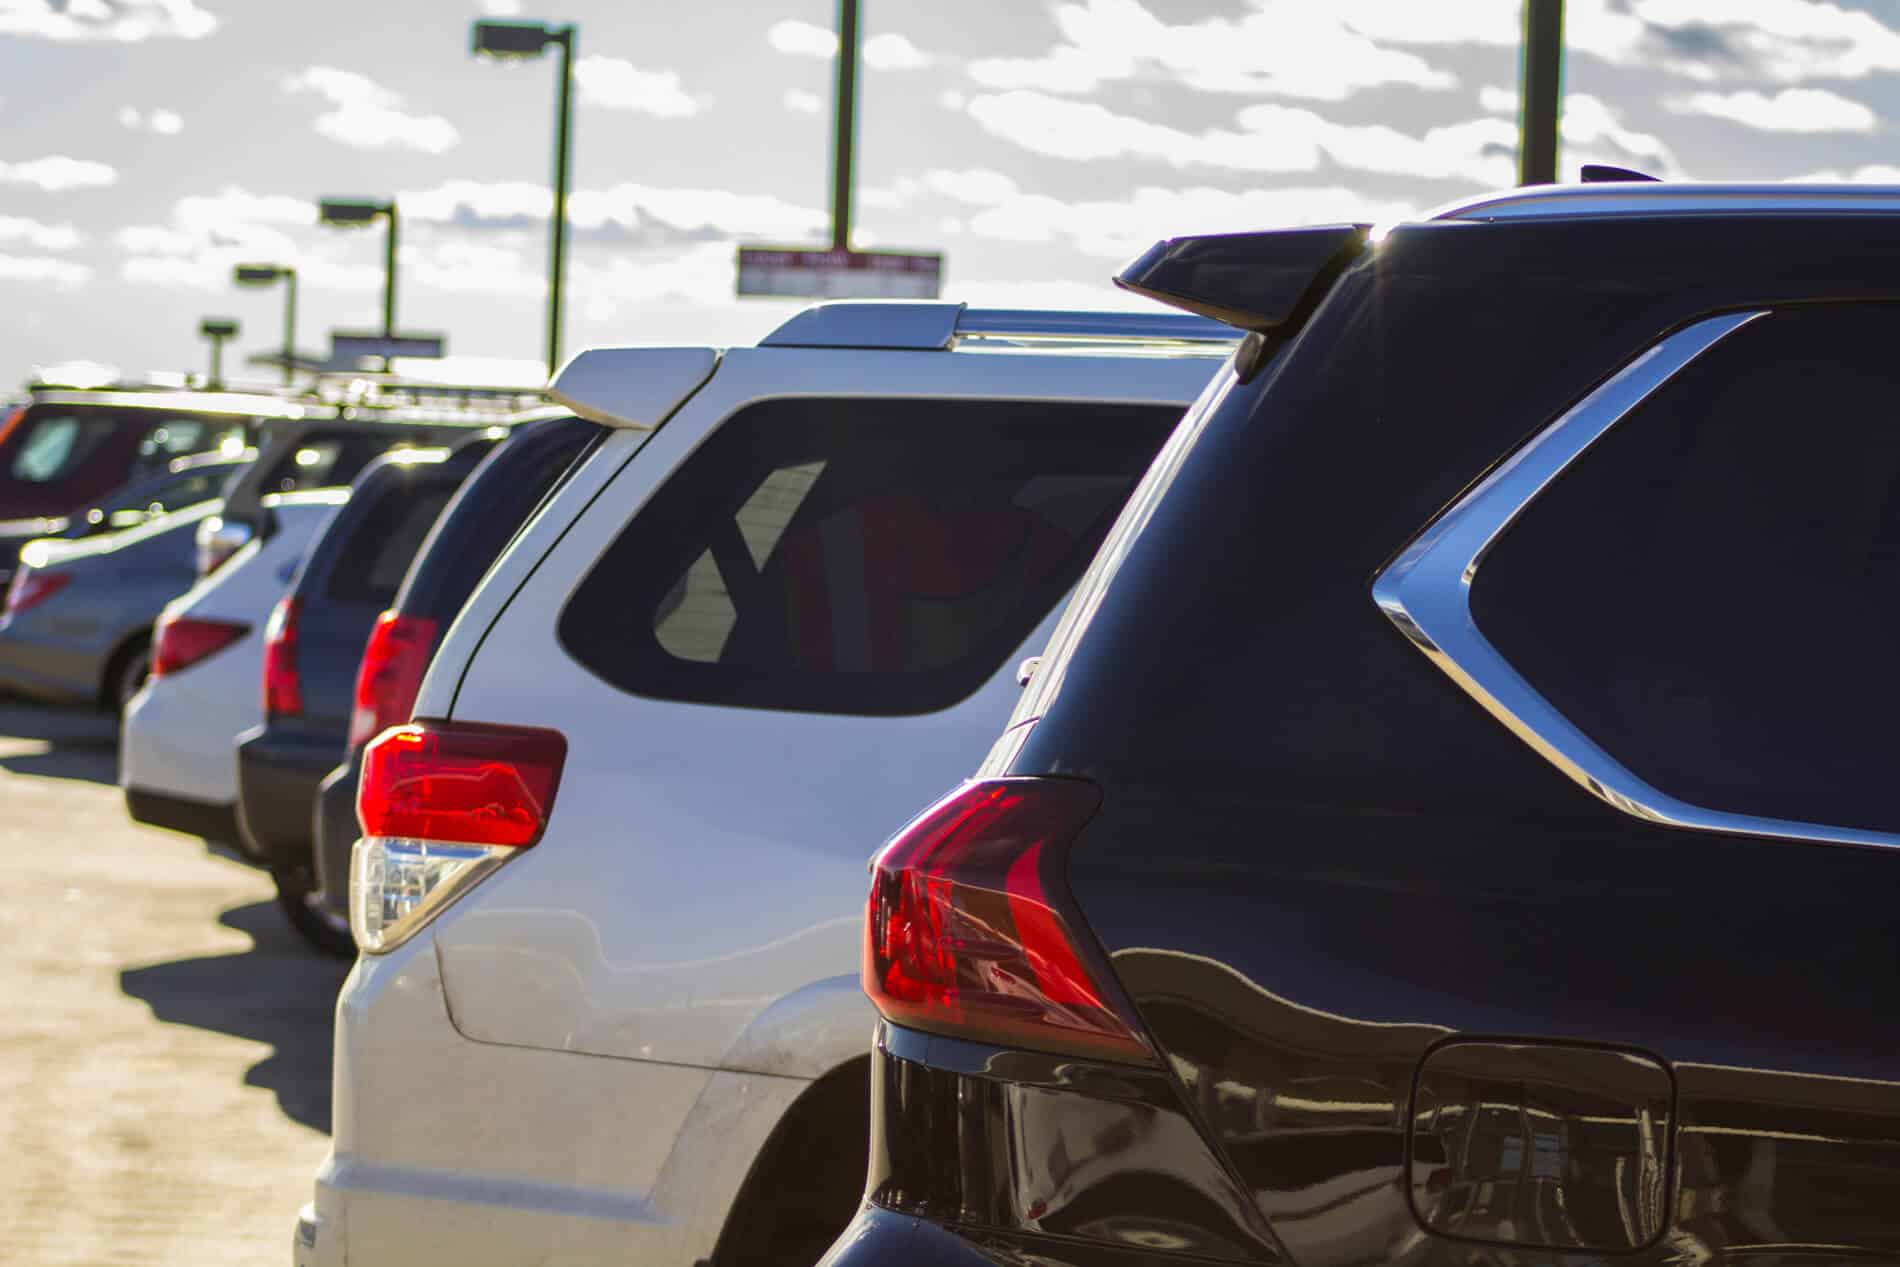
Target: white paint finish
[[465, 634], [179, 732], [704, 867], [447, 1151], [631, 387]]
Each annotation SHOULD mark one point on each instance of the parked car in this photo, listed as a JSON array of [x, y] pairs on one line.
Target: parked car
[[469, 535], [1484, 850], [77, 624], [66, 450], [324, 451], [178, 731], [184, 482], [312, 649], [782, 597]]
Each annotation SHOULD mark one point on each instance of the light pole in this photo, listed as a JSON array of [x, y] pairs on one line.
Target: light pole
[[216, 330], [355, 212], [518, 41], [1540, 103], [267, 275], [844, 119]]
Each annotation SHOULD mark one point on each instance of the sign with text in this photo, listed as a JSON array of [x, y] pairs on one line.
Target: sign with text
[[347, 347], [795, 273]]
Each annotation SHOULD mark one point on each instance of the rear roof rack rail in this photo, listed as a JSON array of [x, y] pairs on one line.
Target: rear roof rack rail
[[936, 326], [1598, 199]]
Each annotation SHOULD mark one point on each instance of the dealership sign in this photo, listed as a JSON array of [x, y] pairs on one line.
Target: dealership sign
[[790, 272]]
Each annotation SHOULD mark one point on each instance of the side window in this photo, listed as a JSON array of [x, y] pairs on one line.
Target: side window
[[309, 465], [857, 556], [1712, 592]]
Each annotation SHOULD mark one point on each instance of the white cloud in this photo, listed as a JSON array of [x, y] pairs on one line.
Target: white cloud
[[803, 102], [502, 8], [642, 213], [802, 39], [125, 21], [1271, 138], [365, 115], [1790, 110], [44, 237], [57, 173], [644, 277], [1871, 174], [891, 51], [615, 84], [208, 234], [162, 122], [1292, 48], [1120, 228], [1497, 99], [477, 268], [43, 268]]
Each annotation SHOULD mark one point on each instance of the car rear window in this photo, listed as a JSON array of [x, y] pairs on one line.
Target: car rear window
[[46, 448], [877, 557], [385, 542]]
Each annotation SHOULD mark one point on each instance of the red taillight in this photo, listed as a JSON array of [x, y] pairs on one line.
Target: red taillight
[[967, 933], [391, 674], [29, 588], [283, 693], [461, 783], [180, 641]]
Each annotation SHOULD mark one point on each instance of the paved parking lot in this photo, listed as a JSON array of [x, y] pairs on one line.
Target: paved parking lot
[[165, 1056]]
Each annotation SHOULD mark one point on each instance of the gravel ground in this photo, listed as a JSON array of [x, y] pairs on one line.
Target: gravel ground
[[165, 1055]]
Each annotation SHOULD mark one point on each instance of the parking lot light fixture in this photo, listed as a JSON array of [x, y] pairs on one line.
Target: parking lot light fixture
[[216, 330], [270, 275], [355, 213], [499, 40]]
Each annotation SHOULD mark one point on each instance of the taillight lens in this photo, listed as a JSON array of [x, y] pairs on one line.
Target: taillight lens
[[283, 692], [970, 931], [29, 588], [442, 804], [391, 674], [181, 641]]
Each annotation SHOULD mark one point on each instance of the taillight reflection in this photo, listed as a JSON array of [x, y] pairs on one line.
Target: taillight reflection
[[29, 589], [968, 931], [391, 674], [180, 642], [283, 692]]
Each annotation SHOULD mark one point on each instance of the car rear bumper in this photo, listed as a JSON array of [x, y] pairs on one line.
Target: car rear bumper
[[336, 829], [176, 737], [278, 773], [203, 819], [449, 1151]]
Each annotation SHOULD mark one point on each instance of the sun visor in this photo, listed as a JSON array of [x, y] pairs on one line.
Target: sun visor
[[1263, 282], [632, 387]]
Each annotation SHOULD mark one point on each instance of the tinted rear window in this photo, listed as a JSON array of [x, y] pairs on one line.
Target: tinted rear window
[[384, 543], [857, 556], [46, 448]]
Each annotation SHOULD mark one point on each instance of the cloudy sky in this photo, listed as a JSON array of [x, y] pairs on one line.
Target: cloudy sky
[[147, 145]]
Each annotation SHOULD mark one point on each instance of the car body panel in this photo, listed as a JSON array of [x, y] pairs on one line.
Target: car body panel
[[630, 967], [178, 731], [1321, 864]]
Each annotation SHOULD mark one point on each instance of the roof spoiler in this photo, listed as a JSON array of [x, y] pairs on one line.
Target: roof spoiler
[[1265, 283], [637, 388]]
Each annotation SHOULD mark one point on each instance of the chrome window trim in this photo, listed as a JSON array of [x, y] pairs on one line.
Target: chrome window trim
[[1426, 593], [1672, 198]]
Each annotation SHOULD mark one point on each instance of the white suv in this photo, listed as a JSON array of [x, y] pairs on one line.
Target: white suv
[[611, 882]]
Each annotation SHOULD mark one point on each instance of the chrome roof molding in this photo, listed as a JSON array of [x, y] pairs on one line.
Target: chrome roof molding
[[1670, 198], [1426, 593], [932, 326]]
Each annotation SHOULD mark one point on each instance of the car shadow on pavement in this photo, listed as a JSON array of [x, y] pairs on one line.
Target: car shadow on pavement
[[278, 992], [79, 744]]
